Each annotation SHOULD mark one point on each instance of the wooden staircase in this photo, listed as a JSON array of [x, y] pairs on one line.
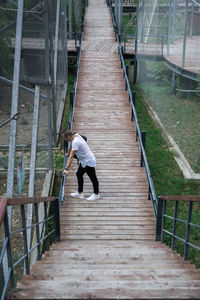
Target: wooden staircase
[[108, 249]]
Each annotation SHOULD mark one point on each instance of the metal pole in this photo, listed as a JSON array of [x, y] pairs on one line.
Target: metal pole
[[2, 281], [159, 219], [120, 15], [70, 19], [52, 81], [185, 33], [173, 19], [192, 20], [25, 240], [34, 141], [9, 252], [57, 219], [64, 39], [56, 41], [173, 83], [174, 224], [143, 136], [136, 44], [169, 26], [47, 73], [187, 235], [15, 96], [137, 11], [33, 162]]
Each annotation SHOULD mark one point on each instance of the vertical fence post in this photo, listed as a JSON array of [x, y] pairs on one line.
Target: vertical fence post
[[15, 98], [192, 20], [127, 68], [2, 281], [135, 70], [174, 224], [185, 33], [76, 36], [71, 107], [163, 219], [25, 241], [133, 97], [9, 252], [46, 226], [143, 135], [56, 211], [159, 219], [133, 101], [37, 231], [187, 235]]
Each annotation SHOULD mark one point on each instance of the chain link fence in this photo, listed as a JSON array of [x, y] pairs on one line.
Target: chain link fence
[[168, 70]]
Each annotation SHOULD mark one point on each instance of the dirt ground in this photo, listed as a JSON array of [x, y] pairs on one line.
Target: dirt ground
[[24, 129], [25, 117]]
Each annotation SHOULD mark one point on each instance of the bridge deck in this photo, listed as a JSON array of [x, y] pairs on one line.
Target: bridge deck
[[192, 58], [108, 249]]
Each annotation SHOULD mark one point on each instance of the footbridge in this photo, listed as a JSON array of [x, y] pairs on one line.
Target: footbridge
[[107, 248]]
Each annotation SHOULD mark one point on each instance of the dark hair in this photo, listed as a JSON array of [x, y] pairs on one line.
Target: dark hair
[[66, 133]]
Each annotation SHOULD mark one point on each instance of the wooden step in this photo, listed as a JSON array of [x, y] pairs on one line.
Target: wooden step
[[108, 248]]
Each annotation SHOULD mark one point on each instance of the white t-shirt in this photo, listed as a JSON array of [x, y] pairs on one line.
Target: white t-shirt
[[83, 152]]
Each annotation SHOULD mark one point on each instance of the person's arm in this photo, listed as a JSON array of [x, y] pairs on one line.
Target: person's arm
[[66, 171], [69, 150]]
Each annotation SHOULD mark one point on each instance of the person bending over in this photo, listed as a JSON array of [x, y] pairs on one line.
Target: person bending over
[[87, 164]]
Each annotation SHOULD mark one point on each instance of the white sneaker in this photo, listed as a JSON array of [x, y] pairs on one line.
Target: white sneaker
[[77, 195], [93, 197]]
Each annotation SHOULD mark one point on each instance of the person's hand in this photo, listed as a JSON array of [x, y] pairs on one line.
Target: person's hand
[[65, 172]]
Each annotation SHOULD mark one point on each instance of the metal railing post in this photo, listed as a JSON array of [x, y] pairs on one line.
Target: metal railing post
[[174, 224], [187, 235], [9, 252], [159, 219], [133, 101], [25, 241], [56, 211], [37, 231], [71, 100], [46, 227], [2, 281], [143, 135]]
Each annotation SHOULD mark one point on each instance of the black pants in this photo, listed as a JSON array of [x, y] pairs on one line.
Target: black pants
[[90, 171]]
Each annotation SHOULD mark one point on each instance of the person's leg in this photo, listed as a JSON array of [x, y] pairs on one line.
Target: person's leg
[[92, 175], [80, 172]]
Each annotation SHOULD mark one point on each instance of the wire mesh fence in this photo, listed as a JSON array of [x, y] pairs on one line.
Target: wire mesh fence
[[170, 79], [33, 82]]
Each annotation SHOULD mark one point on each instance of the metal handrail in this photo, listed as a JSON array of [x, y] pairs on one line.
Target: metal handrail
[[72, 107], [152, 194], [9, 235], [162, 216]]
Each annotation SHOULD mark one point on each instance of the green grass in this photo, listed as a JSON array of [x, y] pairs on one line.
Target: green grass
[[179, 114], [132, 26], [167, 177]]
